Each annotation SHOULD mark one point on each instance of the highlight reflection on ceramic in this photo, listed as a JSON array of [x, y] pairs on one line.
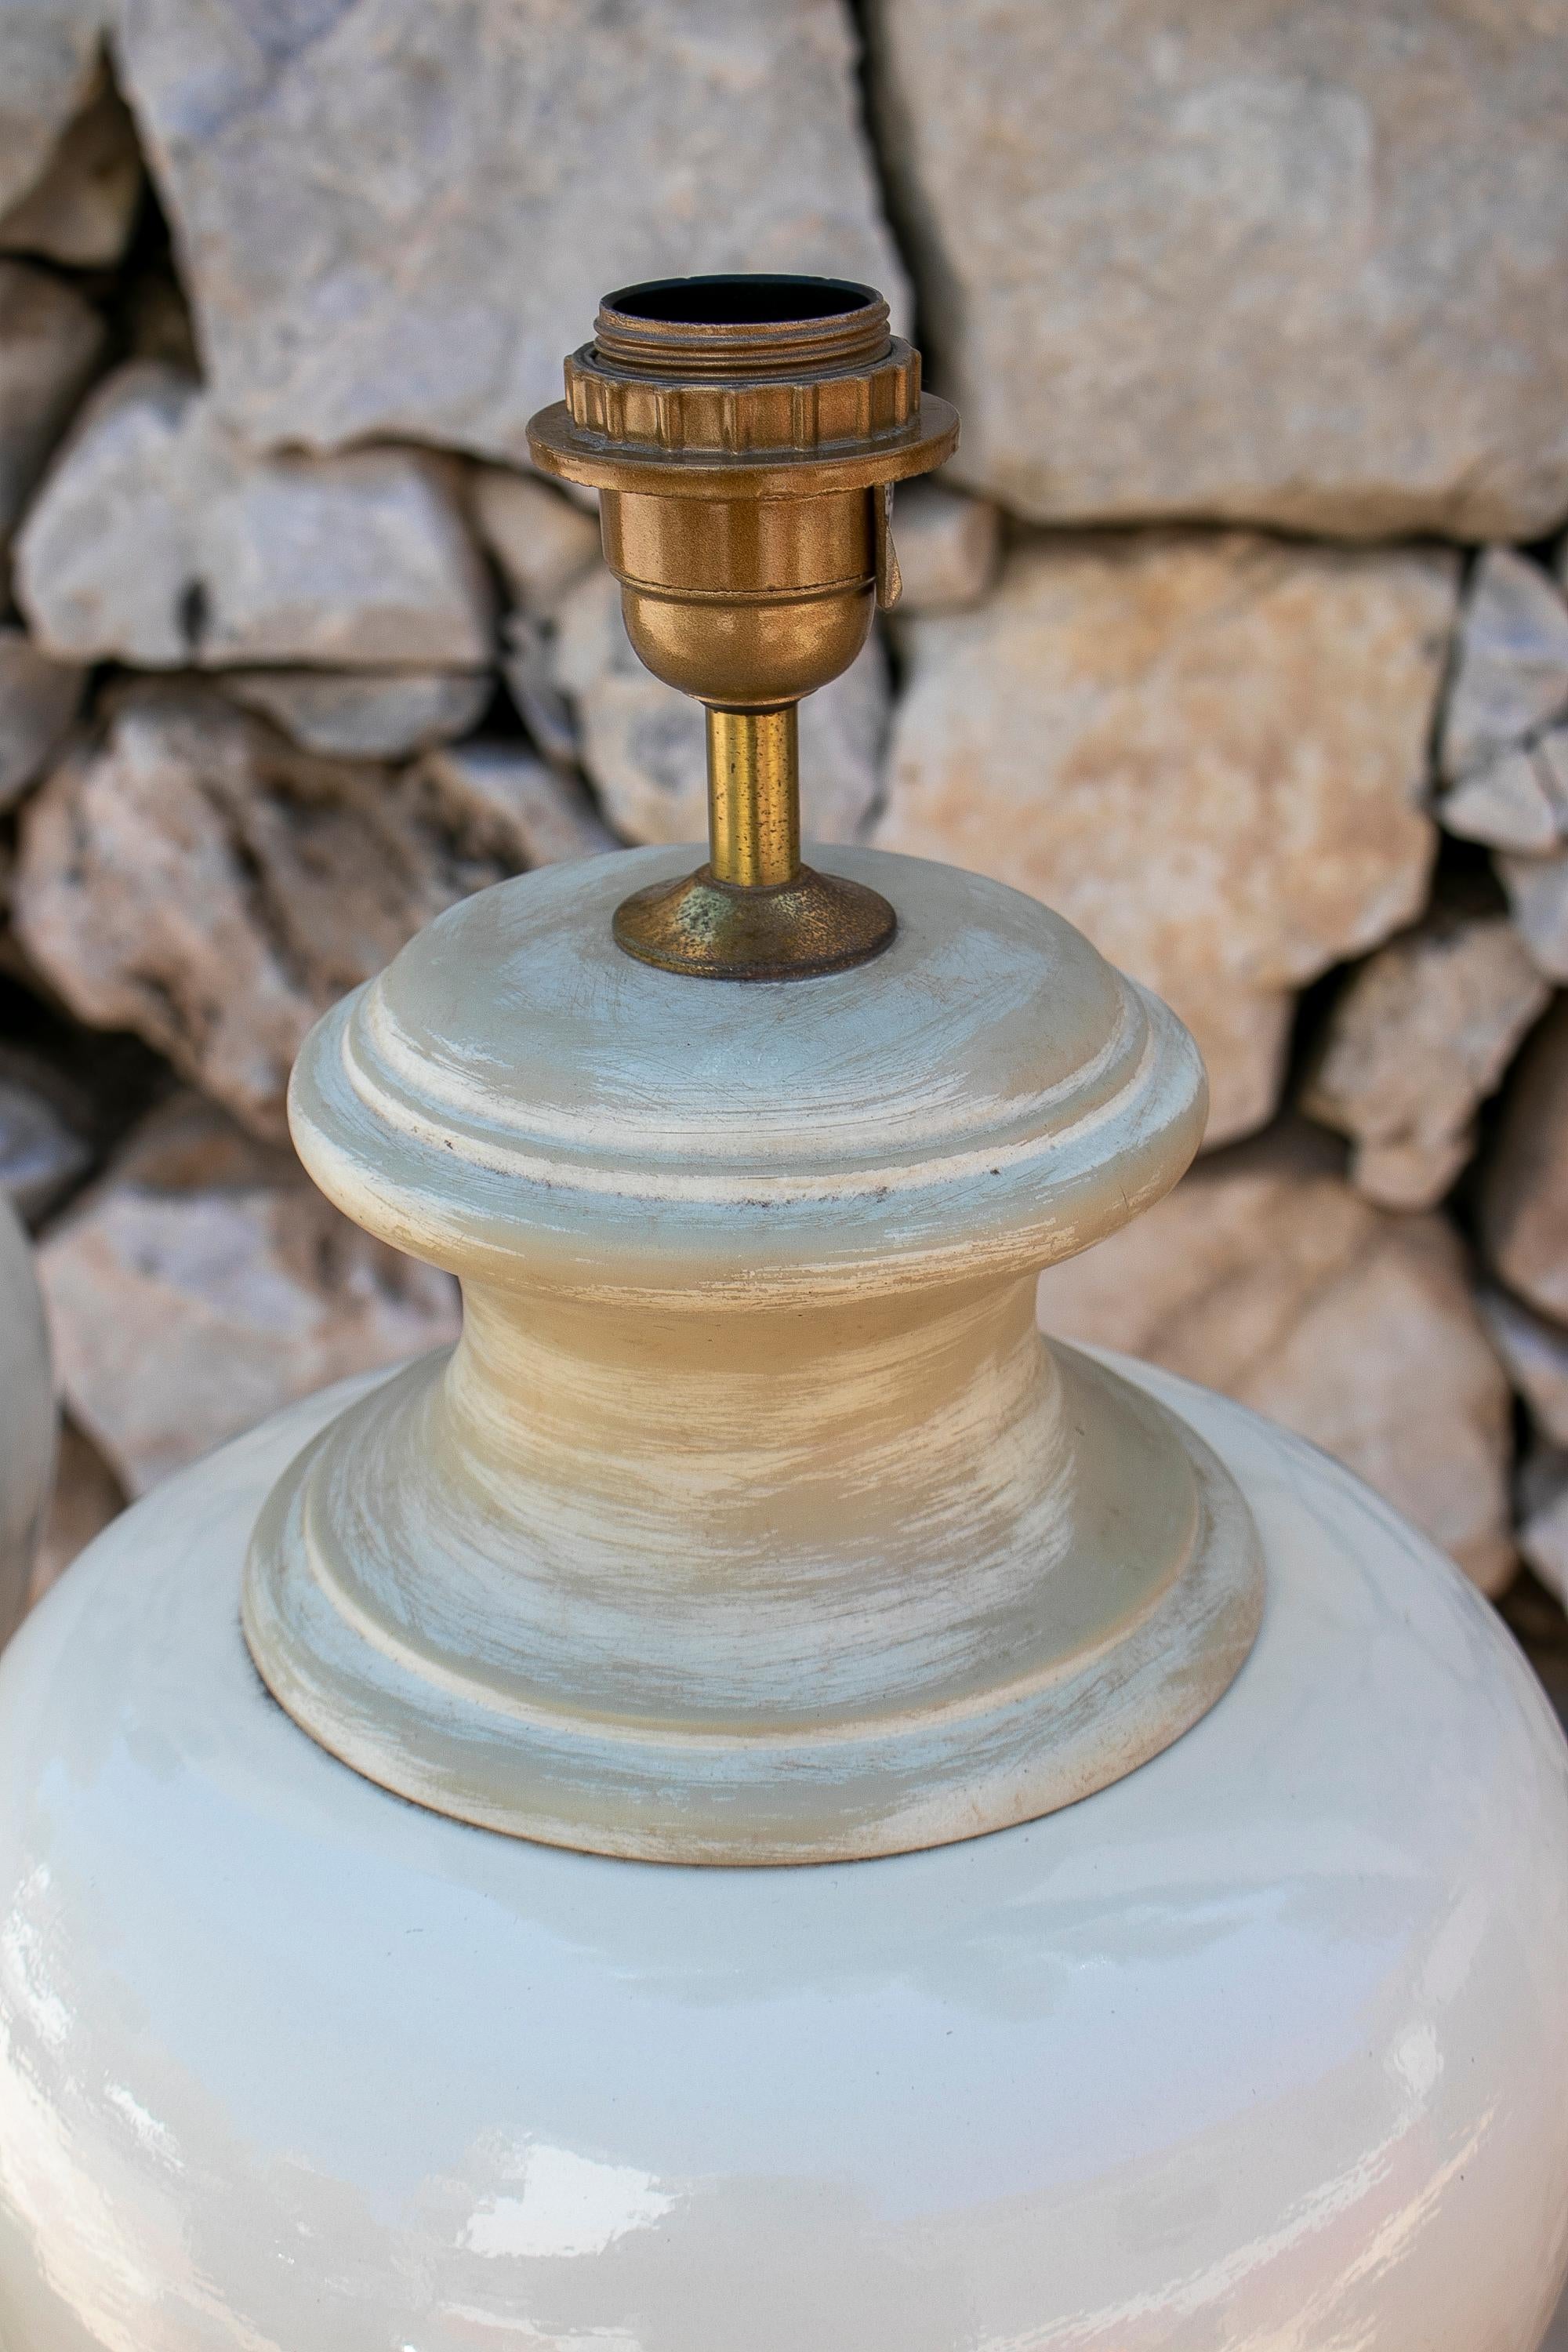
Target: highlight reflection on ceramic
[[1259, 2047]]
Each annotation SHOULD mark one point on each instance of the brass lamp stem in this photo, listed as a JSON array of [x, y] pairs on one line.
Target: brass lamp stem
[[744, 435], [753, 796]]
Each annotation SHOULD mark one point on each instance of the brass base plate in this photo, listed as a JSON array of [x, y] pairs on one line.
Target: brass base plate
[[719, 930]]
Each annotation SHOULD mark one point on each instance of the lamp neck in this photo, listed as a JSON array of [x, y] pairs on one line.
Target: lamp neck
[[753, 796]]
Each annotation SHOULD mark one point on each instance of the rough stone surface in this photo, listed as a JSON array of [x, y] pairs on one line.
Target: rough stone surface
[[543, 816], [1205, 751], [1245, 262], [1415, 1042], [1518, 799], [1265, 1275], [38, 700], [364, 714], [198, 879], [159, 540], [1511, 675], [1543, 1542], [87, 1496], [949, 546], [512, 161], [1535, 1355], [540, 541], [531, 671], [644, 746], [203, 1282], [43, 1134], [1538, 896], [1524, 1187], [50, 65], [84, 209], [51, 340]]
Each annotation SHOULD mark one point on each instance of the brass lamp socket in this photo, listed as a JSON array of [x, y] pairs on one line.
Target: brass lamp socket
[[744, 434]]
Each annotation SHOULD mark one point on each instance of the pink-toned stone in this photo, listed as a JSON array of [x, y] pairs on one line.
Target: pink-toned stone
[[1524, 1188], [1417, 1041], [1265, 1275], [1207, 752], [203, 1282], [197, 878]]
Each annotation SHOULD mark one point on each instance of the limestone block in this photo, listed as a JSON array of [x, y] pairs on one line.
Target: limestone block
[[1510, 674], [87, 1496], [38, 700], [204, 1282], [82, 212], [540, 541], [159, 540], [50, 65], [547, 816], [1535, 1355], [197, 878], [1205, 751], [512, 161], [1291, 264], [1267, 1277], [364, 714], [44, 1149], [51, 340], [644, 745], [1417, 1041], [1524, 1190], [531, 671], [1517, 800], [1543, 1542], [1538, 899], [949, 545]]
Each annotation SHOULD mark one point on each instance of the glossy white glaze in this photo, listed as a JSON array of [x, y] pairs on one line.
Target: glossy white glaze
[[1263, 2048], [27, 1416]]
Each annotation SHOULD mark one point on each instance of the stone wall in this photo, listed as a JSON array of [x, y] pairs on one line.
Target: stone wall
[[1238, 631]]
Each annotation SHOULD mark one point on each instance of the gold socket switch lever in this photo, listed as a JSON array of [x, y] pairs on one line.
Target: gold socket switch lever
[[744, 434]]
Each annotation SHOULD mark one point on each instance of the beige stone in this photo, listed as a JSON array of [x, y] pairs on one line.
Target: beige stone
[[1535, 1355], [38, 700], [84, 209], [531, 671], [949, 545], [1205, 751], [51, 340], [159, 540], [50, 65], [1290, 265], [200, 880], [87, 1496], [203, 1282], [545, 816], [540, 541], [1524, 1190], [512, 161], [1510, 674], [1518, 799], [364, 714], [1415, 1042], [1267, 1277], [1538, 899], [644, 745]]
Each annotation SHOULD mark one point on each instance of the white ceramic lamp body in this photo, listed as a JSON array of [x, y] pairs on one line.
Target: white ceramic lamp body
[[1261, 2043]]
